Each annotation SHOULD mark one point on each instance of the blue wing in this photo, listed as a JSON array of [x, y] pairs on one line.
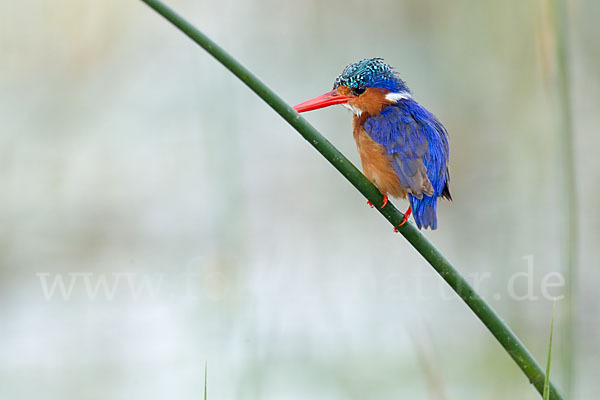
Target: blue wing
[[417, 145]]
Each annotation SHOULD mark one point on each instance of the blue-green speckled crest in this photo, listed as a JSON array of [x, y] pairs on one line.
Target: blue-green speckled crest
[[370, 72]]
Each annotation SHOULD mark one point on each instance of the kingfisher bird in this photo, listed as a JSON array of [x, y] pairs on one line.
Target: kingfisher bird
[[403, 147]]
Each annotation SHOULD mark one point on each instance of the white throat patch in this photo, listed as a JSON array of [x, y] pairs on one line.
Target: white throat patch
[[357, 111]]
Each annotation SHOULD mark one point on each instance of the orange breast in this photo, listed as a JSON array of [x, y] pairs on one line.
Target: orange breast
[[377, 166]]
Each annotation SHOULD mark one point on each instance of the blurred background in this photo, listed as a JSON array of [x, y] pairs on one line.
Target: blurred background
[[155, 215]]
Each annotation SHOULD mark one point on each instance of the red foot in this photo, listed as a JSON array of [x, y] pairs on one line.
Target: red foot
[[385, 201], [370, 204], [406, 216]]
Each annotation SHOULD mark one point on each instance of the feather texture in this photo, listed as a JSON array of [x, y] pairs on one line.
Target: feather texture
[[417, 145]]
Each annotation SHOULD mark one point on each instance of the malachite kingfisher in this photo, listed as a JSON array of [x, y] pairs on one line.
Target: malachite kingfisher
[[403, 147]]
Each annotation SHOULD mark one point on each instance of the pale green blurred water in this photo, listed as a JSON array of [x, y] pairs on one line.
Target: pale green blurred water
[[129, 154]]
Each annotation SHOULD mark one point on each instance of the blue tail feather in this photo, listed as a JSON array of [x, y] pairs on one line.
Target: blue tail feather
[[424, 211]]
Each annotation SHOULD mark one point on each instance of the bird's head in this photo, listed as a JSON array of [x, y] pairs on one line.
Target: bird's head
[[363, 87]]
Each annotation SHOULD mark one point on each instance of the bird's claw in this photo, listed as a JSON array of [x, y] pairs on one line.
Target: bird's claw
[[404, 219], [385, 201]]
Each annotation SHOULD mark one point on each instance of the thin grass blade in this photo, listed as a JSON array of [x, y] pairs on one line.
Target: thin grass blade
[[546, 395]]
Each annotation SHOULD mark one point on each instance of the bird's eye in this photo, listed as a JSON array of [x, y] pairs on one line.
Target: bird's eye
[[358, 91]]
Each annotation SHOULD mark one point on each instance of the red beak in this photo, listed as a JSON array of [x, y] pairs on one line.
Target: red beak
[[324, 100]]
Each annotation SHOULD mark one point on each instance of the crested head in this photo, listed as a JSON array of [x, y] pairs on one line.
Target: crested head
[[370, 73]]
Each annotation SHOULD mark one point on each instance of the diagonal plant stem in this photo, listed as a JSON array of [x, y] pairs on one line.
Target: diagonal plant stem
[[502, 332]]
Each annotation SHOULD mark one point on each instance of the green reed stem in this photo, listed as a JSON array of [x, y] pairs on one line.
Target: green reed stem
[[546, 395], [569, 190], [502, 332]]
